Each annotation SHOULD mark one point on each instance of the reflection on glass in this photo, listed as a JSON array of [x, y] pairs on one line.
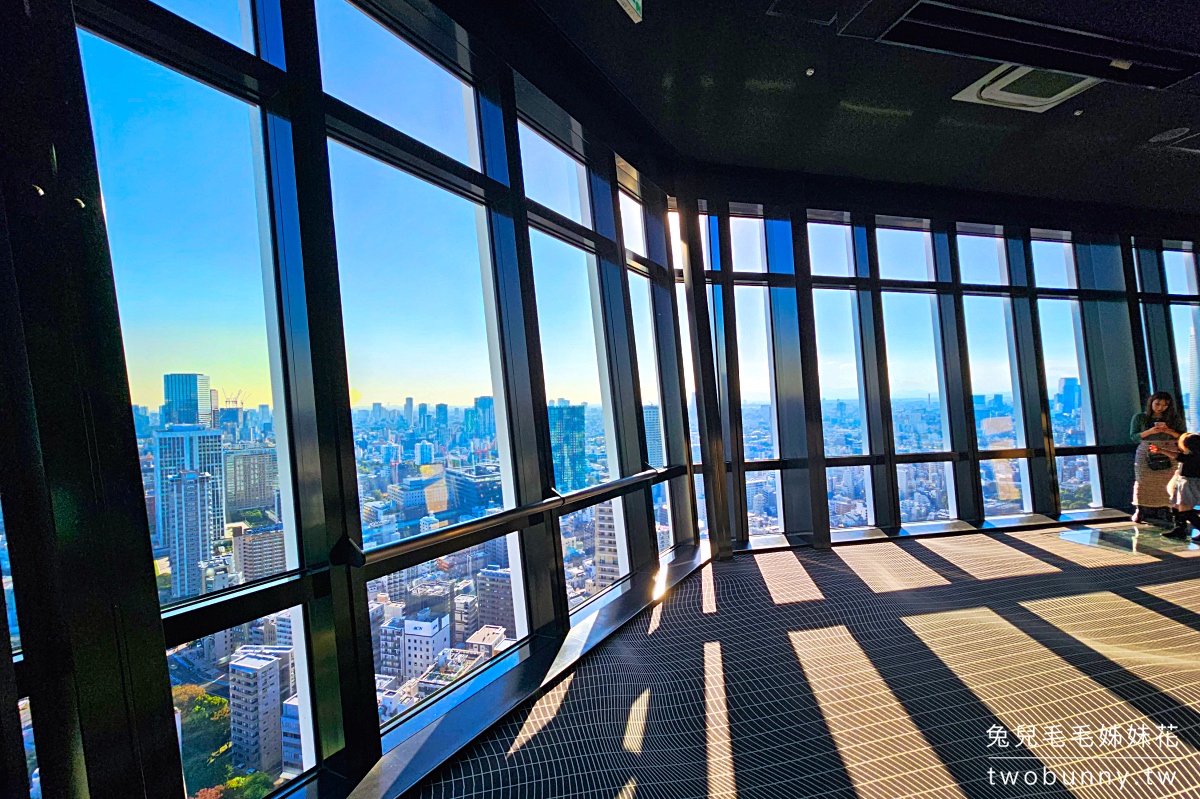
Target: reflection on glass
[[177, 167], [1004, 482], [838, 372], [981, 260], [593, 541], [1053, 264], [677, 239], [371, 68], [647, 363], [633, 226], [552, 177], [992, 358], [31, 759], [663, 535], [1185, 319], [762, 502], [849, 496], [229, 19], [701, 507], [1078, 482], [1066, 372], [749, 243], [831, 249], [242, 706], [754, 370], [689, 372], [10, 604], [1180, 268], [914, 362], [437, 461], [905, 254], [926, 491], [434, 623], [573, 362]]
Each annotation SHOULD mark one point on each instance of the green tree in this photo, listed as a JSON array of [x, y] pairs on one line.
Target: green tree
[[251, 786], [205, 735]]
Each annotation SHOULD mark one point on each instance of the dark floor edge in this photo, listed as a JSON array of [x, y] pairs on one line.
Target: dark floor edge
[[482, 705]]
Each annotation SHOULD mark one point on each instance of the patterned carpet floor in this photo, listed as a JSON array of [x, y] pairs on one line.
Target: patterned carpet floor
[[1051, 664]]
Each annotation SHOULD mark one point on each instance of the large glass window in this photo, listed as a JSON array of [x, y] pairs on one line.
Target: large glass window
[[1004, 486], [904, 254], [1054, 262], [842, 412], [573, 362], [831, 249], [242, 707], [915, 373], [849, 489], [1066, 372], [229, 19], [197, 304], [981, 260], [926, 491], [440, 621], [689, 371], [371, 68], [633, 226], [1185, 321], [748, 239], [416, 285], [762, 502], [992, 358], [594, 553], [552, 177], [1180, 269], [647, 362], [754, 371]]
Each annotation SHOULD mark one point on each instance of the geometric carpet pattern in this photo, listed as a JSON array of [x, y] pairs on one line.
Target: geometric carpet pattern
[[1060, 663]]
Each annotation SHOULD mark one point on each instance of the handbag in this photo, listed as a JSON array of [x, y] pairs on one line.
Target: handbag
[[1157, 462]]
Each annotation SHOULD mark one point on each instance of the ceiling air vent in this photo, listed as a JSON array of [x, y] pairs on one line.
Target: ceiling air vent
[[960, 31], [1024, 88]]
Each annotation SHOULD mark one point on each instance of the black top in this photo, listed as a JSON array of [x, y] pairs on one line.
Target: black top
[[1189, 463]]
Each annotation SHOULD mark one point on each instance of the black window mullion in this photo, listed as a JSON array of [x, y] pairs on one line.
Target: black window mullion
[[728, 369], [1156, 316]]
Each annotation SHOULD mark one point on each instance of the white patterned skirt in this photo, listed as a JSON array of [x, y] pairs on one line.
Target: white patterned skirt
[[1184, 490]]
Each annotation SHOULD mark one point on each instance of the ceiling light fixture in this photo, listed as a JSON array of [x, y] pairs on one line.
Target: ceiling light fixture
[[1169, 135], [810, 72]]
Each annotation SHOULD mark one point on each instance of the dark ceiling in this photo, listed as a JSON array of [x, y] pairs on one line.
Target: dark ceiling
[[725, 82]]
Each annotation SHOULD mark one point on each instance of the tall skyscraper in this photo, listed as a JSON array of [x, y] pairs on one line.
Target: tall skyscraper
[[188, 399], [441, 415], [251, 478], [493, 586], [255, 711], [422, 416], [258, 554], [486, 407], [408, 411], [190, 513], [608, 563], [654, 440], [567, 442]]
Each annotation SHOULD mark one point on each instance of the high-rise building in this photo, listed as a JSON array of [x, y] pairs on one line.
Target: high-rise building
[[466, 617], [567, 441], [408, 411], [608, 561], [441, 415], [255, 711], [258, 553], [188, 448], [186, 515], [423, 453], [486, 408], [390, 662], [424, 639], [251, 477], [188, 399], [293, 747], [654, 439], [493, 586], [475, 486], [422, 416]]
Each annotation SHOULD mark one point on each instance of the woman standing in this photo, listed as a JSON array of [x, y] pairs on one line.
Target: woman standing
[[1160, 425]]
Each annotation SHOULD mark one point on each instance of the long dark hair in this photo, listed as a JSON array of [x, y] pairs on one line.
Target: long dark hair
[[1162, 395], [1189, 443]]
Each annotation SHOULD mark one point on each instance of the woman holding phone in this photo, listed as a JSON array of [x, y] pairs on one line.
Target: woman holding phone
[[1159, 428]]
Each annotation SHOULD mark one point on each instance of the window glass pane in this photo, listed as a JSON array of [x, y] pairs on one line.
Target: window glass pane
[[1101, 265], [31, 759], [992, 358], [904, 254], [849, 490], [663, 534], [689, 372], [838, 372], [701, 506], [762, 502], [573, 362], [552, 177], [1078, 482], [10, 603], [647, 363], [229, 19], [1062, 353], [1053, 264], [178, 170], [1185, 319], [981, 260], [242, 706], [831, 249], [754, 369], [749, 239], [914, 361], [594, 555], [633, 226], [371, 68], [677, 239], [1004, 482], [421, 391], [437, 622], [1180, 268], [926, 492]]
